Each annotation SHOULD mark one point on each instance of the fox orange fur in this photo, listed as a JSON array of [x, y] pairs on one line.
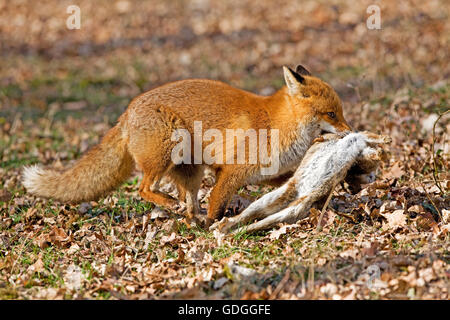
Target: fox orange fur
[[301, 110]]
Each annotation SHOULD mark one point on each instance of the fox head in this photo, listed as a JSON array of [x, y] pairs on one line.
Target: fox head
[[315, 100]]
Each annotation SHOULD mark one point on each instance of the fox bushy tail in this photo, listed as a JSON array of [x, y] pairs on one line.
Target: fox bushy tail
[[100, 170]]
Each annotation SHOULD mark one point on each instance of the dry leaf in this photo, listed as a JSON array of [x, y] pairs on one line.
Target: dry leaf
[[396, 171], [395, 220]]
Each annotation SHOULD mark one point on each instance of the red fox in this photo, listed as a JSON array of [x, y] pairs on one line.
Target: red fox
[[299, 112]]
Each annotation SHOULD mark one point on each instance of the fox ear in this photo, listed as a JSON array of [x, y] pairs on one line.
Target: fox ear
[[302, 70], [293, 80]]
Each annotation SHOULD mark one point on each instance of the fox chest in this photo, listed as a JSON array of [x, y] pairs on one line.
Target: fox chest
[[288, 160]]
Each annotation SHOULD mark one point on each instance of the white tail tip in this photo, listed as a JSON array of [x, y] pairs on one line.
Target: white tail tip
[[31, 178]]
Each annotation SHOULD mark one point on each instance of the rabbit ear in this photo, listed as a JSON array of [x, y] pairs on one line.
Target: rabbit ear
[[302, 70], [293, 80]]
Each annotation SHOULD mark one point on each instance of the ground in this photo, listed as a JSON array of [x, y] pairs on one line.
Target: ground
[[61, 90]]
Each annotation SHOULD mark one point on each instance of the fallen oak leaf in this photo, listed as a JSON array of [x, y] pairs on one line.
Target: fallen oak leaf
[[31, 212], [349, 253], [394, 219], [158, 213], [328, 218], [167, 239], [38, 266], [314, 215], [73, 249], [277, 233], [445, 229], [50, 220], [73, 277], [57, 236], [426, 222], [181, 255], [445, 215], [396, 171], [5, 195], [372, 250]]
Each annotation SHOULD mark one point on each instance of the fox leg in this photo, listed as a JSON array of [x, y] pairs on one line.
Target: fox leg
[[193, 207], [191, 195], [227, 182], [261, 208], [153, 157], [148, 189], [188, 179], [153, 196], [181, 193]]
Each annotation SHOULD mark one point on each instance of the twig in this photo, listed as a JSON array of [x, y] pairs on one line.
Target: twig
[[310, 284], [431, 200], [438, 184], [22, 247], [347, 216], [325, 207], [280, 285]]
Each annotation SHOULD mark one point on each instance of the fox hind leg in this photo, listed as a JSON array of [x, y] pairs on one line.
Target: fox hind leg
[[148, 188], [156, 197], [188, 179]]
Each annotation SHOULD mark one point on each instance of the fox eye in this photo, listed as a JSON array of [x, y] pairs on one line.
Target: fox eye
[[332, 115]]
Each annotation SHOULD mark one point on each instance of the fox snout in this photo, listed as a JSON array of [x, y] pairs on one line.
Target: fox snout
[[341, 126]]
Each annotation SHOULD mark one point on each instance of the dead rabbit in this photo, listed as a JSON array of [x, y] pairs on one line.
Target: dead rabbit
[[325, 165]]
